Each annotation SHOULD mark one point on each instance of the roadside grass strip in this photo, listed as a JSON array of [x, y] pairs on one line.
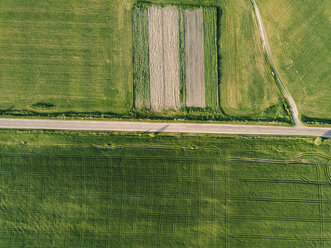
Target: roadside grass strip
[[140, 57], [99, 189], [210, 57]]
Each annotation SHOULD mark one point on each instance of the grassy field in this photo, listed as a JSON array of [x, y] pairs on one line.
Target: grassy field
[[211, 56], [299, 36], [247, 87], [140, 57], [75, 59], [76, 189], [63, 56]]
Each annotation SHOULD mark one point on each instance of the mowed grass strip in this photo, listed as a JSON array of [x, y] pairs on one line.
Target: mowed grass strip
[[73, 55], [81, 189], [140, 57], [182, 79], [299, 36], [211, 56]]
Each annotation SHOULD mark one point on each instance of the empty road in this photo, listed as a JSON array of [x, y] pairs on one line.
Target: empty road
[[161, 127]]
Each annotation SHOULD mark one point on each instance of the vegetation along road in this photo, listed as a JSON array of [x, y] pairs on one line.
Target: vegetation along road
[[293, 106], [162, 127]]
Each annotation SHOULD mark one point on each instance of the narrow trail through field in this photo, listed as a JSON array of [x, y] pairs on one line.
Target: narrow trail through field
[[266, 47]]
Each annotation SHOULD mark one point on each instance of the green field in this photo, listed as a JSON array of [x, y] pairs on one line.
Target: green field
[[76, 189], [246, 90], [247, 87], [66, 56], [299, 36], [76, 59]]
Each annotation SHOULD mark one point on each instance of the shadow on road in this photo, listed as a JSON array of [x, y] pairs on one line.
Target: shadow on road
[[327, 134], [162, 129]]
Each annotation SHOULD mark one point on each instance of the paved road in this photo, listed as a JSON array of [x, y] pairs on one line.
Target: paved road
[[265, 43], [161, 127]]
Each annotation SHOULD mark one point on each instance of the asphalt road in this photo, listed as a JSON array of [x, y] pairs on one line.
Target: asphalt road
[[161, 127], [265, 43]]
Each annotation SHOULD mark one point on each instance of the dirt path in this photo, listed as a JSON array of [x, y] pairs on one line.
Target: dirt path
[[265, 43], [164, 58], [194, 59]]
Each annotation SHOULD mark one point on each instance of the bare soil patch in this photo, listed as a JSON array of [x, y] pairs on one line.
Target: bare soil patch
[[194, 59], [164, 58]]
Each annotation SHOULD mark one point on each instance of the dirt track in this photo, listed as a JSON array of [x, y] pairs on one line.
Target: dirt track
[[163, 58], [194, 59]]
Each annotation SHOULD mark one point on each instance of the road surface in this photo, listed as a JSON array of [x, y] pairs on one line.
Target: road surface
[[266, 47], [161, 127]]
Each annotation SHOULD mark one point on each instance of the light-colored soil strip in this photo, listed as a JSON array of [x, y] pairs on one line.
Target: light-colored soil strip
[[163, 58], [156, 67], [194, 59], [171, 57]]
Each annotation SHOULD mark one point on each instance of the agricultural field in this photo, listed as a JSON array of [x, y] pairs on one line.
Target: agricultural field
[[177, 37], [217, 70], [299, 36], [247, 87], [82, 59], [66, 56], [80, 189]]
